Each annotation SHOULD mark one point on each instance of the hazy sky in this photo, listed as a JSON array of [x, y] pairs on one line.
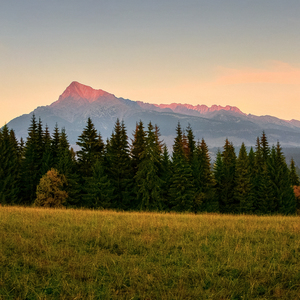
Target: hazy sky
[[226, 52]]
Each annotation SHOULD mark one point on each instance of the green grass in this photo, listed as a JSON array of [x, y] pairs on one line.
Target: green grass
[[82, 254]]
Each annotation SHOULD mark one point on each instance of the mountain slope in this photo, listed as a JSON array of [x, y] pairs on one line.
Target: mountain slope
[[214, 124]]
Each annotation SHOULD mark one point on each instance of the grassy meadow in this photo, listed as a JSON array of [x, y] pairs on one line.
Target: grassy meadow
[[84, 254]]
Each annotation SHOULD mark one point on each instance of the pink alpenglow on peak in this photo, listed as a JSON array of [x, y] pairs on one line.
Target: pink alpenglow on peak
[[78, 91], [202, 109]]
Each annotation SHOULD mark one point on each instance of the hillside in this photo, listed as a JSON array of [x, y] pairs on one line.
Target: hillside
[[214, 124]]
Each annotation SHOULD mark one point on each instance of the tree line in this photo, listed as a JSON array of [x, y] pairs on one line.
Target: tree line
[[141, 174]]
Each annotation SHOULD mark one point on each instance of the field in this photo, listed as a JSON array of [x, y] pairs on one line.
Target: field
[[83, 254]]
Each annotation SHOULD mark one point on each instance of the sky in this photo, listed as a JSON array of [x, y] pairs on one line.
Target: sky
[[243, 53]]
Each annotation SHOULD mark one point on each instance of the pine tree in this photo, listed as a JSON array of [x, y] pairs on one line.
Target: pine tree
[[31, 164], [91, 148], [138, 145], [191, 144], [165, 175], [119, 168], [228, 203], [294, 178], [243, 189], [9, 167], [55, 147], [218, 175], [66, 165], [284, 198], [182, 189], [99, 191], [148, 181], [47, 153], [203, 180], [263, 190]]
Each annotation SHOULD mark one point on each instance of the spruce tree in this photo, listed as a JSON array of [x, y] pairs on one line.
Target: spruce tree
[[228, 203], [99, 191], [47, 153], [203, 179], [91, 148], [147, 179], [55, 147], [294, 178], [66, 165], [284, 198], [182, 189], [138, 144], [218, 176], [9, 167], [165, 175], [243, 189], [119, 168], [31, 164], [263, 197]]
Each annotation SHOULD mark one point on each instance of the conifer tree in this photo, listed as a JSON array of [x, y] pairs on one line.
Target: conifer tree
[[243, 189], [99, 191], [119, 167], [137, 145], [218, 175], [191, 144], [228, 203], [9, 167], [31, 164], [284, 198], [55, 147], [148, 181], [294, 178], [67, 167], [91, 148], [263, 196], [203, 179], [47, 153], [166, 177], [182, 189]]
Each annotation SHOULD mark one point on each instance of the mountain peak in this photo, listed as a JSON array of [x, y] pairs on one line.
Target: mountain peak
[[78, 91]]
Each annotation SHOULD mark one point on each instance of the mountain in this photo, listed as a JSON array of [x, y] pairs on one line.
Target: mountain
[[214, 124]]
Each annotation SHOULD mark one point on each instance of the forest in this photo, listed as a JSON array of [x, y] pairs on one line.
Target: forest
[[138, 173]]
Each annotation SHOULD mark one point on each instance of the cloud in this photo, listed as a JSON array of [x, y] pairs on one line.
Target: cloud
[[274, 73]]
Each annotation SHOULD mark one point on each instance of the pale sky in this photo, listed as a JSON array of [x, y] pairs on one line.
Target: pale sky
[[243, 53]]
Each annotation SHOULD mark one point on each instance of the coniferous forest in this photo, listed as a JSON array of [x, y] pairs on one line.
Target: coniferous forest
[[138, 173]]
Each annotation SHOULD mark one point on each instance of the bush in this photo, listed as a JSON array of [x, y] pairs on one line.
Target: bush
[[49, 191]]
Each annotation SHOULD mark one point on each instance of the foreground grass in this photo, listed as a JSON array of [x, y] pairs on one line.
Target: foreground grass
[[81, 254]]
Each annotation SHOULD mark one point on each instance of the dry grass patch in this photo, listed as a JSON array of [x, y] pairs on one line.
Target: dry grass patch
[[84, 254]]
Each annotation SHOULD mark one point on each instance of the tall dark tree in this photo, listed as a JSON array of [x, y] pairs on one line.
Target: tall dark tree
[[31, 164], [228, 203], [294, 178], [166, 177], [137, 145], [243, 187], [119, 167], [191, 144], [55, 147], [147, 179], [218, 176], [182, 189], [9, 167], [99, 191], [284, 200], [91, 148], [47, 152], [205, 199]]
